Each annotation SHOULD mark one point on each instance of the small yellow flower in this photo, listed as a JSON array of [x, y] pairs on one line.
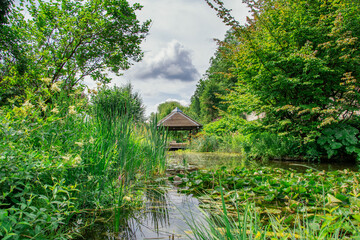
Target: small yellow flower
[[55, 87], [78, 91], [77, 159], [127, 198], [72, 110], [27, 105], [46, 80], [55, 110], [66, 157], [80, 144], [92, 140]]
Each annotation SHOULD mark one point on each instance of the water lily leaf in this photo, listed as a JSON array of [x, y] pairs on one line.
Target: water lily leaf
[[332, 199], [269, 197], [356, 216], [272, 211], [197, 182]]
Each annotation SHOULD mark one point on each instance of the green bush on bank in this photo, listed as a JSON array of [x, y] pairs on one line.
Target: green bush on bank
[[59, 163], [229, 134], [241, 136]]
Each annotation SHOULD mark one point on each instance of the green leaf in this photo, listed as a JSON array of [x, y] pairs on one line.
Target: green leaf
[[356, 216], [332, 199], [335, 145]]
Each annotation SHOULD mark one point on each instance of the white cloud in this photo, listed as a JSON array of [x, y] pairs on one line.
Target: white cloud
[[181, 29], [172, 62]]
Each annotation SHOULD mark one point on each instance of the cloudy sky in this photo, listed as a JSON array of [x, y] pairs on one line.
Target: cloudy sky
[[177, 50]]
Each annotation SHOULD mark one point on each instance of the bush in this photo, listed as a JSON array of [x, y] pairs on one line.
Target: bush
[[56, 162], [205, 143], [112, 103]]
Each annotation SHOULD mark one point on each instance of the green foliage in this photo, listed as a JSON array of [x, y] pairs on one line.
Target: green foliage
[[205, 143], [166, 108], [339, 140], [235, 134], [4, 11], [225, 125], [206, 103], [67, 40], [297, 63], [117, 102], [57, 163], [286, 204]]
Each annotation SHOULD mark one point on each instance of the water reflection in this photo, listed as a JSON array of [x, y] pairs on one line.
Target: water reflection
[[163, 217], [216, 160]]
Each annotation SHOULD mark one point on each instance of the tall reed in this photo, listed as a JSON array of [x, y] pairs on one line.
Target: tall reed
[[56, 165]]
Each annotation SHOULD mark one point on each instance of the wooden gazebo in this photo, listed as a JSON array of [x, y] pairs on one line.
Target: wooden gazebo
[[178, 121]]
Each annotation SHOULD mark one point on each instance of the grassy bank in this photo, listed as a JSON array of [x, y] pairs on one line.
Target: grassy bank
[[61, 167]]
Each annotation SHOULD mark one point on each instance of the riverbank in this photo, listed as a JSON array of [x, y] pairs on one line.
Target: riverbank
[[59, 173], [305, 203], [257, 202]]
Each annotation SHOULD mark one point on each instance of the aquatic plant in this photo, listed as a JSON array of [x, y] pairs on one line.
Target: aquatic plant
[[57, 168], [321, 204]]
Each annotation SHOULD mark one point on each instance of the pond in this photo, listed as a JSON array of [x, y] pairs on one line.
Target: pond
[[163, 217], [231, 160], [165, 212]]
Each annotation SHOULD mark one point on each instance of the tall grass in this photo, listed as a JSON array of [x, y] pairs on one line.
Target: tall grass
[[205, 143], [247, 223], [255, 145], [58, 166]]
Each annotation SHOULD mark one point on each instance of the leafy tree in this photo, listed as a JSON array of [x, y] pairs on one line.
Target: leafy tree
[[206, 103], [116, 102], [166, 108], [297, 61], [4, 10], [9, 48], [66, 40]]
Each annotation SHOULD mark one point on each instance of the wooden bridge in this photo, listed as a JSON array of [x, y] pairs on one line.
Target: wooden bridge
[[176, 146]]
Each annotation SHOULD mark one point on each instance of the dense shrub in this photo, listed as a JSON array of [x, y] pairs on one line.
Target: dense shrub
[[118, 101], [205, 143], [57, 161]]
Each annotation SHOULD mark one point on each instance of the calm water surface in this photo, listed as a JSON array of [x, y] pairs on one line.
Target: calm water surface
[[164, 217], [216, 160], [164, 214]]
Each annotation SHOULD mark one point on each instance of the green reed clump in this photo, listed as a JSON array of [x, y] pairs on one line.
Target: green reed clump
[[205, 143], [245, 222], [59, 163]]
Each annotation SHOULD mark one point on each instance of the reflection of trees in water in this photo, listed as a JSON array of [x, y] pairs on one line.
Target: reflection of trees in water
[[163, 217], [127, 228], [154, 216]]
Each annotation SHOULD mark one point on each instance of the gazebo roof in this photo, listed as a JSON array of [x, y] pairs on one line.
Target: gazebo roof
[[177, 120]]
